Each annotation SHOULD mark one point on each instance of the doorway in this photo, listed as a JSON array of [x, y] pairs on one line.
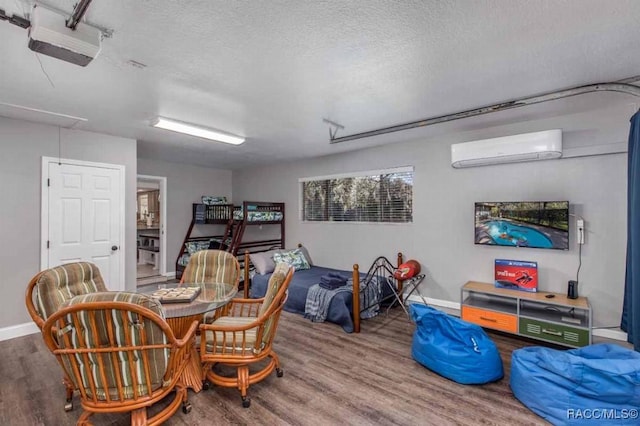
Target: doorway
[[82, 216], [151, 214]]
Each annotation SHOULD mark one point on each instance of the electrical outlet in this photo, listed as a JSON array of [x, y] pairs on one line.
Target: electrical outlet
[[580, 231]]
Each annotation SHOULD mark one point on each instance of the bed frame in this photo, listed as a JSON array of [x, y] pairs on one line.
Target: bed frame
[[381, 266], [235, 229], [203, 214]]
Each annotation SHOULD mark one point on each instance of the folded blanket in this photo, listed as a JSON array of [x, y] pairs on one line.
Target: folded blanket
[[335, 275], [332, 281], [331, 286]]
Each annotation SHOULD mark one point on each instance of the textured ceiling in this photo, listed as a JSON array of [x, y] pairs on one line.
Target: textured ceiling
[[271, 70]]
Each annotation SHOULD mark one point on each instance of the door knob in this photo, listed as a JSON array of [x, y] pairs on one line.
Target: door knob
[[114, 248]]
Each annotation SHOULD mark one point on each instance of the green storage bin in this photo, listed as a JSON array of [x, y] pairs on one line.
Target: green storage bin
[[552, 332]]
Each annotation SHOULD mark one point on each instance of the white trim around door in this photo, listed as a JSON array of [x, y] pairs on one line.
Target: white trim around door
[[162, 182], [44, 212]]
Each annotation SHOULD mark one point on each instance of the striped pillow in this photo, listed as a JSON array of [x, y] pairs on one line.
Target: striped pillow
[[218, 341], [275, 282], [212, 266], [57, 285], [126, 367]]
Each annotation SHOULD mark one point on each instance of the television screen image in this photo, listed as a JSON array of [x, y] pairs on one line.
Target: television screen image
[[535, 224], [516, 275]]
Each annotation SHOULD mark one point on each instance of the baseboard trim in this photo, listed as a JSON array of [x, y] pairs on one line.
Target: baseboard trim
[[614, 334], [170, 275], [18, 330], [27, 328], [435, 302], [610, 333]]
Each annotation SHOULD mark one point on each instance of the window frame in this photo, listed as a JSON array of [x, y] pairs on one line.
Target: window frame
[[363, 173]]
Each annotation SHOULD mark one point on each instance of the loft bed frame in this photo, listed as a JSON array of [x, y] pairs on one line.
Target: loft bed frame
[[380, 268], [203, 214], [252, 213]]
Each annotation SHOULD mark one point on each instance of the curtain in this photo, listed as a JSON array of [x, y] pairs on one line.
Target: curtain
[[631, 305]]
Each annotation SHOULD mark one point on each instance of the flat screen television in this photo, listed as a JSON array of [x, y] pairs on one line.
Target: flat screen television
[[535, 224]]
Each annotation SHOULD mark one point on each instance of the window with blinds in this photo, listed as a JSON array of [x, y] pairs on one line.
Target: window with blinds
[[374, 196]]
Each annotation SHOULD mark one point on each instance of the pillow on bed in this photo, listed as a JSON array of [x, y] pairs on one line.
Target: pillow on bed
[[294, 258], [305, 252], [263, 262], [195, 246]]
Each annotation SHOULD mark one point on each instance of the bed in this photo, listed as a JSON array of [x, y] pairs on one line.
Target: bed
[[343, 304]]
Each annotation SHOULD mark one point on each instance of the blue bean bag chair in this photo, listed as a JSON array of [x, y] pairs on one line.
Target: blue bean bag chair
[[597, 384], [453, 348]]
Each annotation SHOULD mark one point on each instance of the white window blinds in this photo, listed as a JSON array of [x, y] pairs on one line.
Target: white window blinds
[[373, 196]]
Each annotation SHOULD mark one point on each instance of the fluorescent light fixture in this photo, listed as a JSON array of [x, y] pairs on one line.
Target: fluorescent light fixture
[[193, 130]]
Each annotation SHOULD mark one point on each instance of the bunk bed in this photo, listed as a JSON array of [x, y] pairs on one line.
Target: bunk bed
[[235, 238], [203, 214], [254, 214], [346, 308]]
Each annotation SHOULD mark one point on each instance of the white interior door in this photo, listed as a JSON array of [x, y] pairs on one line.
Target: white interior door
[[85, 217]]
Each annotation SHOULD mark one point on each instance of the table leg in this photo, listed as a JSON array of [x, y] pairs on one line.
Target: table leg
[[192, 374]]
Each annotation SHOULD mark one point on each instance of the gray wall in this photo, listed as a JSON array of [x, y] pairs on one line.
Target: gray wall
[[441, 236], [186, 184], [23, 146]]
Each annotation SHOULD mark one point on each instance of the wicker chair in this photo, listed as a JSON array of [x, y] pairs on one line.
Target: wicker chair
[[49, 289], [242, 334], [212, 266], [208, 266], [121, 354]]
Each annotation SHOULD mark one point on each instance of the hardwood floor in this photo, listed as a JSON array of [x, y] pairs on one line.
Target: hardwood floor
[[330, 378]]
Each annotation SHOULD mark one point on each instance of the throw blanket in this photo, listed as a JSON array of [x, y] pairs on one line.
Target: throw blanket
[[319, 299]]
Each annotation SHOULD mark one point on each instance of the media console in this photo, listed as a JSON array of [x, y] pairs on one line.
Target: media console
[[556, 319]]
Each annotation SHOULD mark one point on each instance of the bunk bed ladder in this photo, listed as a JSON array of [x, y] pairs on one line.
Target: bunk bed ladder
[[228, 235], [179, 269], [237, 236]]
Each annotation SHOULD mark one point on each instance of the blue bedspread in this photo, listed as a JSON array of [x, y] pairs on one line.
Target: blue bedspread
[[340, 307]]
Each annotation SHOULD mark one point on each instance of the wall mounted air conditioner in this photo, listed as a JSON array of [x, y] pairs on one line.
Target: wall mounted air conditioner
[[544, 145], [49, 35]]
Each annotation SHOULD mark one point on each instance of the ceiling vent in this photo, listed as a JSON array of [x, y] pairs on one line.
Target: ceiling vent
[[49, 35], [544, 145]]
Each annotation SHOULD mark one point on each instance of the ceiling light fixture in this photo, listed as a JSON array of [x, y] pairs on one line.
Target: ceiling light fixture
[[193, 130]]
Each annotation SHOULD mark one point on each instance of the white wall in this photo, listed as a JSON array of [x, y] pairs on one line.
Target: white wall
[[186, 184], [23, 145], [441, 236]]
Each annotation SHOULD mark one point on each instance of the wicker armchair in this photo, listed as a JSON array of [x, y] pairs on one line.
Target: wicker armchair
[[212, 266], [49, 289], [242, 334], [209, 266], [121, 354]]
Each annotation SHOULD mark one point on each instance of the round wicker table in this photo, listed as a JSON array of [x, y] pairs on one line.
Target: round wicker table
[[180, 316]]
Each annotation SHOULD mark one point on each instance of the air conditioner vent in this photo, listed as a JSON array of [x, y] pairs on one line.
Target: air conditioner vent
[[544, 145]]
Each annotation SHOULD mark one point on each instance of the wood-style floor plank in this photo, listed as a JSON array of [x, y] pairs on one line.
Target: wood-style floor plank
[[331, 378]]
